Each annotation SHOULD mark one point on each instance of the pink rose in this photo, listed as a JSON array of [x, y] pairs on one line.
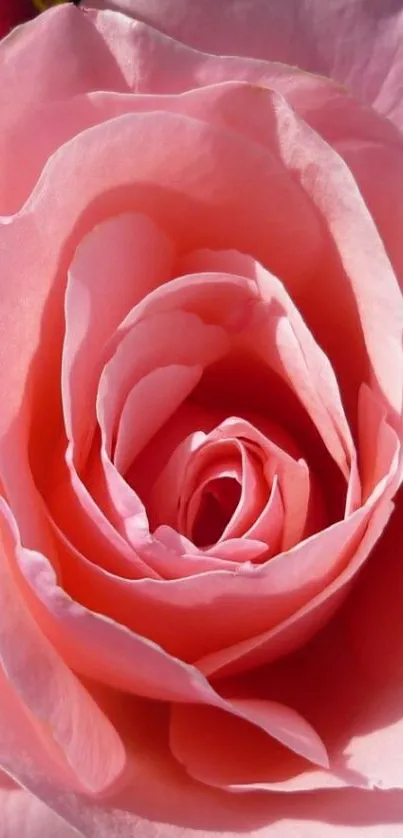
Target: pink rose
[[201, 378]]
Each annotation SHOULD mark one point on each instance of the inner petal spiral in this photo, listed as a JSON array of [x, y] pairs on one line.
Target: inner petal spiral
[[218, 502]]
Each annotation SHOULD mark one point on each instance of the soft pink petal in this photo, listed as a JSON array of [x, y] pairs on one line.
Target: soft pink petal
[[160, 799], [68, 719], [363, 43], [214, 460], [166, 339], [357, 661], [50, 41], [76, 514], [304, 622], [175, 560], [293, 476], [130, 255], [22, 815], [149, 405], [235, 608], [99, 647], [117, 153], [177, 337]]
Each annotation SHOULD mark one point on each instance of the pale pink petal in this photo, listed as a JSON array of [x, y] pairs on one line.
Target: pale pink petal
[[176, 337], [379, 301], [245, 549], [74, 728], [130, 255], [270, 520], [363, 43], [129, 153], [68, 42], [164, 496], [377, 441], [25, 816], [357, 661], [159, 797], [295, 354]]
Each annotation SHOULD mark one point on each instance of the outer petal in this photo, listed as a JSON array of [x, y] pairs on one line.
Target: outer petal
[[357, 662], [71, 723], [356, 42], [22, 815], [159, 799]]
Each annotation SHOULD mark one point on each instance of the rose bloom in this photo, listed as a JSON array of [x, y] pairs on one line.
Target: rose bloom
[[201, 380]]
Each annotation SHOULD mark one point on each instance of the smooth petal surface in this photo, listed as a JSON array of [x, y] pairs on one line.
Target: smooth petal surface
[[24, 815], [358, 709], [279, 721], [363, 41], [201, 373], [54, 698], [131, 255]]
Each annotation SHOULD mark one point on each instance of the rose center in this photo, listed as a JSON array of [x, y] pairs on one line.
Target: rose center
[[217, 504]]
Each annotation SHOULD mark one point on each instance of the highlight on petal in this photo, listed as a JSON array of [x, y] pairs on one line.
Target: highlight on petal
[[69, 720], [131, 255], [363, 44]]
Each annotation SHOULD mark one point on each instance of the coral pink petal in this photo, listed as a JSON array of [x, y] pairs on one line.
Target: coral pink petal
[[222, 750], [377, 441], [293, 477], [270, 523], [76, 514], [129, 150], [130, 252], [158, 794], [277, 720], [149, 405], [253, 615], [204, 476], [100, 648], [165, 493], [305, 621], [174, 561], [362, 723]]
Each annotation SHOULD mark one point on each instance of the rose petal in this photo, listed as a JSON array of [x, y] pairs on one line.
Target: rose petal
[[65, 713], [223, 751], [159, 795], [363, 45], [277, 720], [130, 252], [24, 815], [148, 406]]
